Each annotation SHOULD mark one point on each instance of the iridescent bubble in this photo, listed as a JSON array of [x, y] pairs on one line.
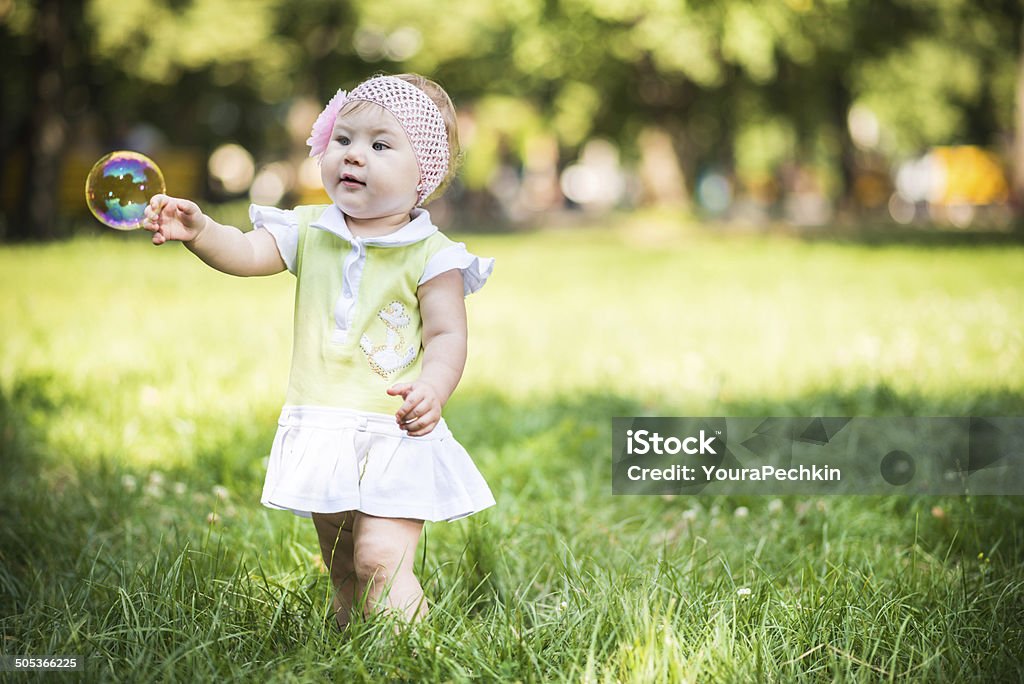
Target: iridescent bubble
[[119, 187]]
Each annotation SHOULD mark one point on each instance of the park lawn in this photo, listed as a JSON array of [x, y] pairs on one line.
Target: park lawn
[[139, 393]]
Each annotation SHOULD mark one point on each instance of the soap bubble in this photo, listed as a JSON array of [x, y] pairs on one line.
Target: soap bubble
[[119, 187]]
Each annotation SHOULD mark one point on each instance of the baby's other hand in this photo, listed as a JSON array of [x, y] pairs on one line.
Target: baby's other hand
[[171, 218], [421, 411]]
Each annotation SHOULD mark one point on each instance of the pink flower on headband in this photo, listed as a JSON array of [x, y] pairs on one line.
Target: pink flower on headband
[[324, 125], [418, 115]]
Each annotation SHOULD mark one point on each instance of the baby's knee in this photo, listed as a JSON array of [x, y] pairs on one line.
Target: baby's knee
[[370, 571], [378, 562]]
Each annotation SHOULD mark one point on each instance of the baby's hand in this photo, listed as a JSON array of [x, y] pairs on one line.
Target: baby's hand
[[422, 408], [170, 218]]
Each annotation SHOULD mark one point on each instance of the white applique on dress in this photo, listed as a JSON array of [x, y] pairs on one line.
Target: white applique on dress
[[389, 358]]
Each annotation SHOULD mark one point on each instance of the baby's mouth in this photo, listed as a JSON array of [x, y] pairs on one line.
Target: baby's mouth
[[349, 179]]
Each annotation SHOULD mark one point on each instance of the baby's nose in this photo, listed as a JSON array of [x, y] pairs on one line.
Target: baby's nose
[[354, 154]]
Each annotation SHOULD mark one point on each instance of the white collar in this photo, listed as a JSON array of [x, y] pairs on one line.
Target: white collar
[[419, 228]]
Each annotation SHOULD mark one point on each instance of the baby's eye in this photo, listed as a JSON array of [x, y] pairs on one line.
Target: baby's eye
[[379, 146], [342, 139]]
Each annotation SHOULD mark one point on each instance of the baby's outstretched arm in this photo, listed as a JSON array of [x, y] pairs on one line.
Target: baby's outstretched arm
[[443, 309], [225, 248]]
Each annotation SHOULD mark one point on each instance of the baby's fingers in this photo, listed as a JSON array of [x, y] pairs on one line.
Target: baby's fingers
[[156, 204], [413, 409], [423, 425], [401, 389], [404, 390], [410, 411], [151, 222], [188, 211]]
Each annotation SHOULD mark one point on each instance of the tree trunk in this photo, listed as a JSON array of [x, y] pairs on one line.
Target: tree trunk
[[847, 158], [46, 127], [1018, 148]]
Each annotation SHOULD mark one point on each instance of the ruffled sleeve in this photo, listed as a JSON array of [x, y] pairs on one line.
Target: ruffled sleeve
[[283, 225], [475, 270]]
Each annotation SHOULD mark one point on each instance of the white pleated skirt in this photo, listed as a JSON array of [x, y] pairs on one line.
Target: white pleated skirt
[[326, 460]]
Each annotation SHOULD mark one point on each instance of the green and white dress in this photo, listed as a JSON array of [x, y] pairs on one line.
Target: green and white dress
[[357, 332]]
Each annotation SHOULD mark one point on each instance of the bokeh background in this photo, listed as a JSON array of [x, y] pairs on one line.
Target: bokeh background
[[780, 208], [806, 112]]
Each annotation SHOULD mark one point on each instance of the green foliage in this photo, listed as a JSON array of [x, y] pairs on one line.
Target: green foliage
[[155, 41], [917, 92], [210, 71], [761, 146]]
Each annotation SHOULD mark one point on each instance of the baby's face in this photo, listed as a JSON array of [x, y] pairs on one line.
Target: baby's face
[[369, 168]]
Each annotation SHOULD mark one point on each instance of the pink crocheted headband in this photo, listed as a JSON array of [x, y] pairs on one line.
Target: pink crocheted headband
[[416, 112]]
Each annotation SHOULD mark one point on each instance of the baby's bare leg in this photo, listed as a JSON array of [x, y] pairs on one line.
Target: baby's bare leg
[[385, 549], [335, 534]]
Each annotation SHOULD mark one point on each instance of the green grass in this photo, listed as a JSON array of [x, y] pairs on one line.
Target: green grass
[[138, 396]]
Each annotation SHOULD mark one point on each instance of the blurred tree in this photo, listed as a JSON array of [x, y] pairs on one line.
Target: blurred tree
[[99, 67], [1018, 149], [710, 74], [732, 83], [953, 81], [202, 71], [43, 58]]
